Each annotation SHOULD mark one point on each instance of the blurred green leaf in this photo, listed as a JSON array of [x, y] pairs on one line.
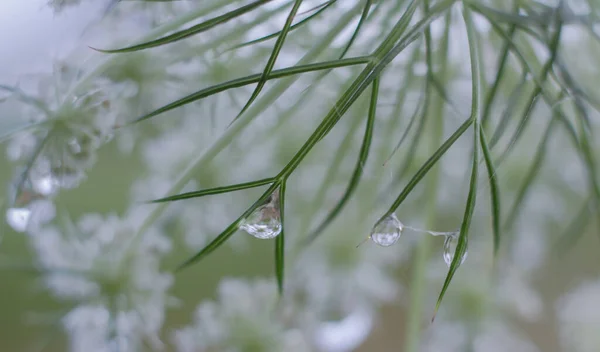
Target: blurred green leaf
[[320, 9], [358, 169], [274, 54], [240, 82], [199, 28]]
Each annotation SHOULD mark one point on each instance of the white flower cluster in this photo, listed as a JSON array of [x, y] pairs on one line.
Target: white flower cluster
[[114, 280]]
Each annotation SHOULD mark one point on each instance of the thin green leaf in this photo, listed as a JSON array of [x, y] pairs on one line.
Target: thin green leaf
[[240, 82], [494, 192], [513, 18], [216, 190], [526, 65], [321, 7], [533, 98], [418, 176], [272, 58], [508, 112], [361, 21], [418, 112], [461, 246], [502, 61], [531, 174], [199, 28], [230, 230], [439, 89], [280, 243], [358, 169], [576, 228]]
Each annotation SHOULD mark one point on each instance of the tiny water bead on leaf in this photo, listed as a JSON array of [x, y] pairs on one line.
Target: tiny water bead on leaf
[[450, 247], [265, 221], [387, 231]]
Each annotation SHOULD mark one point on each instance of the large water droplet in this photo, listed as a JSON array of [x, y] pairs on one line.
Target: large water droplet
[[265, 221], [450, 247], [18, 218], [387, 231]]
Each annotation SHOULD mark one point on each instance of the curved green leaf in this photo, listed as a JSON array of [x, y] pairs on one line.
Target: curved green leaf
[[272, 58], [418, 176], [320, 8], [362, 19], [240, 82], [199, 28], [358, 169], [494, 191], [476, 78], [230, 230], [502, 63], [531, 174], [216, 190]]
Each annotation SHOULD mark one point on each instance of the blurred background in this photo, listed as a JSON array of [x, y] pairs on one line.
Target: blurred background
[[541, 294]]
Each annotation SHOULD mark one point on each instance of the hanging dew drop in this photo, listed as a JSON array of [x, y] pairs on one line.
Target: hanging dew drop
[[18, 218], [265, 221], [386, 232], [450, 244]]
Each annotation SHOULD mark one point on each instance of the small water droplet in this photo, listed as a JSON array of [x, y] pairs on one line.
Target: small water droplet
[[265, 221], [450, 247], [18, 218], [386, 232]]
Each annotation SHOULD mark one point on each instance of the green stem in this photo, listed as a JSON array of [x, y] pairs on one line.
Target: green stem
[[205, 157], [418, 285]]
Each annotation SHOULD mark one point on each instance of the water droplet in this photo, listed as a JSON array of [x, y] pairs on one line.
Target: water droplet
[[18, 218], [265, 221], [450, 247], [386, 232]]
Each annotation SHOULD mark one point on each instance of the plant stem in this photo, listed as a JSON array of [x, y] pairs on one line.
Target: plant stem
[[225, 139], [417, 292]]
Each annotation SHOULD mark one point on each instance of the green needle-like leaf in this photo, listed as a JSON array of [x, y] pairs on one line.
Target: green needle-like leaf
[[272, 58], [321, 8], [240, 82], [461, 246], [230, 230], [280, 243], [417, 113], [502, 61], [494, 192], [533, 98], [358, 169], [576, 228], [216, 190], [199, 28], [508, 112], [362, 19], [418, 176]]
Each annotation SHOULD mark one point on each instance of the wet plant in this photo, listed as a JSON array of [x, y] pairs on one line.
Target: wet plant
[[354, 120]]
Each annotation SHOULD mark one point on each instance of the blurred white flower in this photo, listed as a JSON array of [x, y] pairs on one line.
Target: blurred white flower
[[244, 318], [497, 337], [112, 278]]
